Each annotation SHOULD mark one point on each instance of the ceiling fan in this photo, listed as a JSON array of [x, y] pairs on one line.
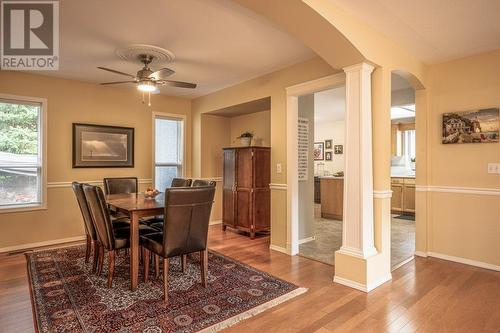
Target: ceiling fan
[[148, 80]]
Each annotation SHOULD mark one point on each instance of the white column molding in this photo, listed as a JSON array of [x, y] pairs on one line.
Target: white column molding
[[358, 234]]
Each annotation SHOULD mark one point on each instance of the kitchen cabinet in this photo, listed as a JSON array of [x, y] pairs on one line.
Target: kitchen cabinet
[[403, 195]]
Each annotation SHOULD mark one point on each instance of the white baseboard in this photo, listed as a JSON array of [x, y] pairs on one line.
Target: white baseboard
[[402, 263], [421, 254], [214, 222], [360, 286], [307, 239], [40, 244], [278, 248], [465, 261]]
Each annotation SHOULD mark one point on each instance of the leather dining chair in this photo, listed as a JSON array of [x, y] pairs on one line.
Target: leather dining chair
[[110, 238], [202, 182], [157, 222], [119, 185], [90, 231], [187, 214], [180, 182]]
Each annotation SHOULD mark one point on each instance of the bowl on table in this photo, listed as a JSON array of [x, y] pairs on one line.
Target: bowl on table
[[151, 193]]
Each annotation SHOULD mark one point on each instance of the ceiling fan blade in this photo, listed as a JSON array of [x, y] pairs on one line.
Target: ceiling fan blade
[[116, 72], [161, 74], [116, 82], [179, 84]]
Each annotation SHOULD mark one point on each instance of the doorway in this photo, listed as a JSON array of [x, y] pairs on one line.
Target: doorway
[[321, 192], [403, 166]]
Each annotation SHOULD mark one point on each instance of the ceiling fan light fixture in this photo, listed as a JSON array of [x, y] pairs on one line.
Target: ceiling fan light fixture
[[147, 86]]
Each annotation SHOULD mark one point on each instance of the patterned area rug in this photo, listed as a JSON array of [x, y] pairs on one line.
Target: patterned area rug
[[67, 297]]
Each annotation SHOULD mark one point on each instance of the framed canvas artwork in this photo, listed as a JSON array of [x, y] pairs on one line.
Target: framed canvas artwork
[[328, 156], [328, 144], [477, 126], [338, 149], [99, 146]]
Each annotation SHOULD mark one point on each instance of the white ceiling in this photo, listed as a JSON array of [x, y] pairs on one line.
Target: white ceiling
[[329, 105], [432, 30], [216, 43]]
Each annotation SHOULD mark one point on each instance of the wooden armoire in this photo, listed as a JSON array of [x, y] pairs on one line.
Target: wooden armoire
[[246, 201]]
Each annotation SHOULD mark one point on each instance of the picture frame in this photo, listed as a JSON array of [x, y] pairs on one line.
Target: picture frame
[[328, 144], [102, 146], [338, 149], [328, 156], [476, 126], [319, 151]]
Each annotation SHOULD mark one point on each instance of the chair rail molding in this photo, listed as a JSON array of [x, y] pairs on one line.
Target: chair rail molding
[[91, 182], [276, 186], [458, 189]]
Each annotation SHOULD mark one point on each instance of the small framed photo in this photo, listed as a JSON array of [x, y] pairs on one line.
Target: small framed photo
[[99, 146], [328, 144], [328, 156], [319, 151], [338, 149]]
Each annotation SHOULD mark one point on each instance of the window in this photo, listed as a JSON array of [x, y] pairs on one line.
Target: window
[[21, 153], [169, 150], [409, 139]]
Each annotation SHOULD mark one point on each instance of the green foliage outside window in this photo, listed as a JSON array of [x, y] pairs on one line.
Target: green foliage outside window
[[18, 128]]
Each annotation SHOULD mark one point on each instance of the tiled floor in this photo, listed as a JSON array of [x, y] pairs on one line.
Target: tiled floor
[[328, 239]]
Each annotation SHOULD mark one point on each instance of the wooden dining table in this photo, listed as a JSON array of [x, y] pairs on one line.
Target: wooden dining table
[[136, 206]]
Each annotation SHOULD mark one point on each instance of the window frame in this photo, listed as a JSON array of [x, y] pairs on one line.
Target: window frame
[[42, 144], [169, 116]]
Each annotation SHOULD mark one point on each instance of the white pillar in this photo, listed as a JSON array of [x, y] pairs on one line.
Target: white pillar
[[358, 236]]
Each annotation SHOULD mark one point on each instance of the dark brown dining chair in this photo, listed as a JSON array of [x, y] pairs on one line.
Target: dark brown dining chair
[[90, 231], [157, 222], [202, 182], [110, 238], [187, 214], [119, 185], [180, 182]]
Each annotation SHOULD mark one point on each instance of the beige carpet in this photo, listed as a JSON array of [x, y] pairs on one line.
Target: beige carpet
[[328, 239]]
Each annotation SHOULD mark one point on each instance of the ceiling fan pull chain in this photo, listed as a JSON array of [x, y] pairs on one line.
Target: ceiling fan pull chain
[[143, 98], [149, 98]]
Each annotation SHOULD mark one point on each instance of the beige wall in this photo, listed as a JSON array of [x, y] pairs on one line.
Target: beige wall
[[463, 225], [273, 85], [68, 102], [259, 123]]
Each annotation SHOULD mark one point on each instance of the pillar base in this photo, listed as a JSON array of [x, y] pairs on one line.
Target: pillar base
[[360, 273]]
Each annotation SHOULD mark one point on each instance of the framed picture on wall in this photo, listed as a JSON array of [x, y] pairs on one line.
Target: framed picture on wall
[[319, 151], [328, 144], [99, 146], [338, 149], [477, 126], [328, 156]]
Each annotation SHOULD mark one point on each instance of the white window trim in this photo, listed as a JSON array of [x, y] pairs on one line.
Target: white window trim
[[43, 174], [171, 116]]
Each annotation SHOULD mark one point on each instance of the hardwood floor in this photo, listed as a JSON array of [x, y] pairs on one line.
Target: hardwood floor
[[425, 295]]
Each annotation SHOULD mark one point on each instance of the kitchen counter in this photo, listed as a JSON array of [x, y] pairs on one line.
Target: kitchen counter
[[332, 197]]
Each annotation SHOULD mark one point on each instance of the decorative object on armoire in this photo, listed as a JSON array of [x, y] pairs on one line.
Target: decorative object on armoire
[[99, 146], [245, 139], [338, 149], [478, 126], [246, 197], [328, 156], [328, 144], [319, 151]]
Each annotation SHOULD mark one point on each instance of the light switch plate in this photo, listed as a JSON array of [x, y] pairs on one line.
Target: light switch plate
[[493, 167], [278, 167]]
